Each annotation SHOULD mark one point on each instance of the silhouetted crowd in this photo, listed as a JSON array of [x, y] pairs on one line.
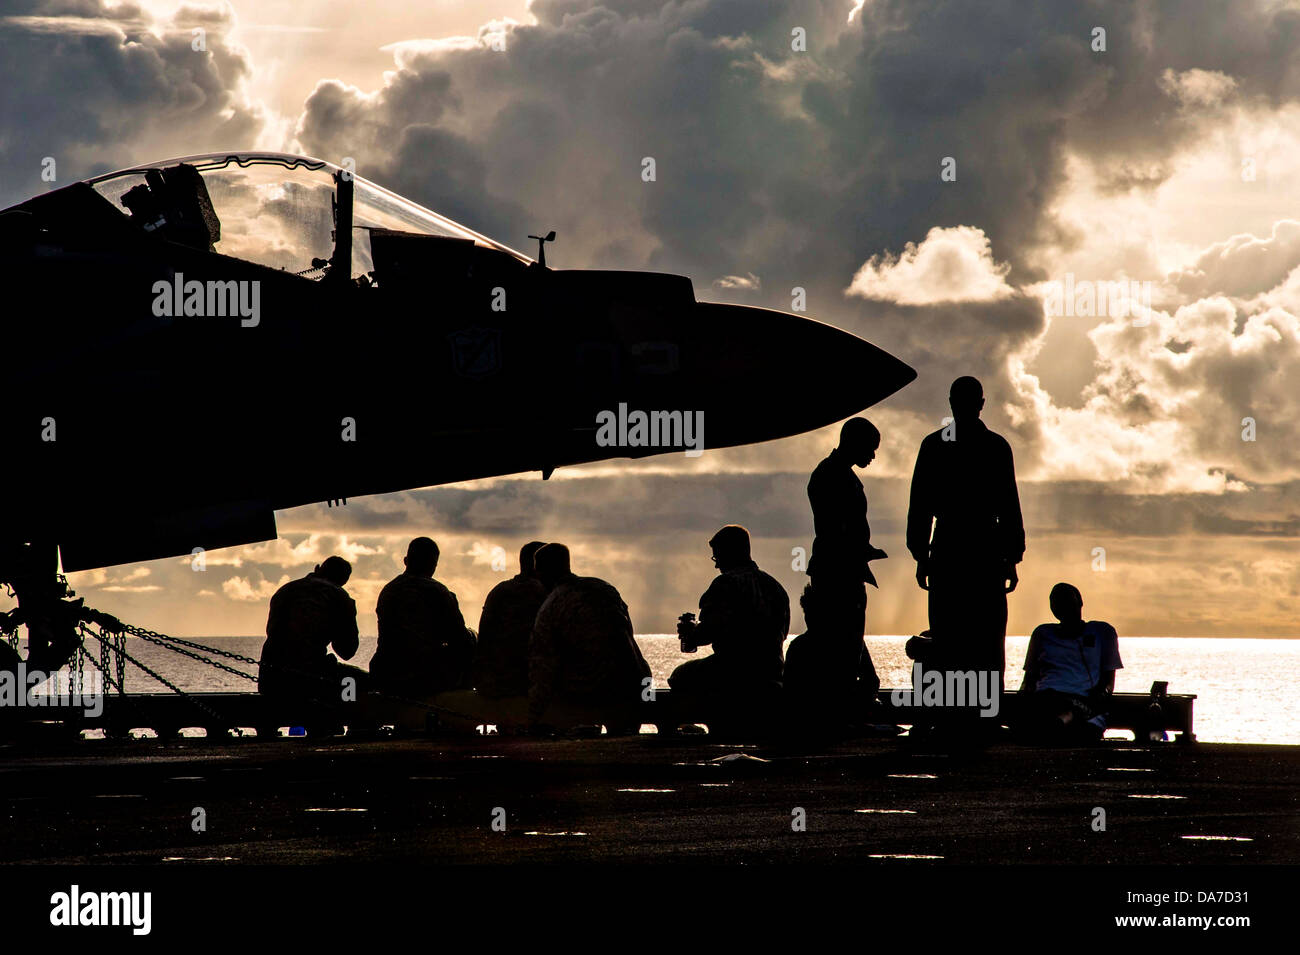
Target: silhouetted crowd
[[556, 650]]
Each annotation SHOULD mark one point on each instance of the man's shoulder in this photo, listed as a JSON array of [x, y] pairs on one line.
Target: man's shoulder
[[291, 591], [771, 583], [593, 585], [1043, 631], [825, 464], [319, 584], [414, 583], [1102, 629], [320, 589], [997, 441], [516, 586], [288, 587], [579, 587], [742, 579], [758, 573], [578, 591], [935, 439], [394, 584], [825, 470]]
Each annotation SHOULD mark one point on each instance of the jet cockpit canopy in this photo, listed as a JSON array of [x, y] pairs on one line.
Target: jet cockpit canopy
[[274, 209]]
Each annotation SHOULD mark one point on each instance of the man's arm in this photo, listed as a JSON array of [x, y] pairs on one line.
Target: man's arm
[[1110, 661], [716, 616], [785, 611], [456, 619], [1030, 680], [347, 637], [920, 517], [1010, 519], [541, 665]]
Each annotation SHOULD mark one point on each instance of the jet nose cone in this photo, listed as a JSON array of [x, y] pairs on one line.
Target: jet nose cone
[[796, 373]]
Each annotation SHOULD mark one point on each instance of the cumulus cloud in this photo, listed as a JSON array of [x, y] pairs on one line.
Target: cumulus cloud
[[98, 86], [1243, 265], [1201, 399], [949, 265], [245, 590], [749, 282], [1197, 87]]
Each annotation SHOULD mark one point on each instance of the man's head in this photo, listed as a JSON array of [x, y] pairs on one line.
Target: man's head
[[334, 569], [966, 398], [421, 557], [809, 603], [526, 555], [859, 439], [730, 546], [1066, 603], [552, 564]]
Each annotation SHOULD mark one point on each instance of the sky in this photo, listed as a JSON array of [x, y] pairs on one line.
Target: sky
[[948, 180]]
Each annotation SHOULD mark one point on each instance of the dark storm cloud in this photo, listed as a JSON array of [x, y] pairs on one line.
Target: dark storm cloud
[[93, 87], [775, 506], [772, 504], [1267, 511], [796, 167]]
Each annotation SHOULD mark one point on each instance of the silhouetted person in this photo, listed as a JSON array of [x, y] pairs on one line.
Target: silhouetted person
[[424, 646], [308, 616], [1069, 673], [965, 531], [583, 664], [840, 564], [501, 663], [812, 703], [745, 616], [808, 667]]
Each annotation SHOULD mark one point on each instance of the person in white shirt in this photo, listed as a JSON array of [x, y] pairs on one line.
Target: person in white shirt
[[1069, 673]]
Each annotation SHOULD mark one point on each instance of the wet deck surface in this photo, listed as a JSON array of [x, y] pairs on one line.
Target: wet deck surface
[[641, 799]]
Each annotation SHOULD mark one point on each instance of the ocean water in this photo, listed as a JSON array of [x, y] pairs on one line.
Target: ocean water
[[1244, 687]]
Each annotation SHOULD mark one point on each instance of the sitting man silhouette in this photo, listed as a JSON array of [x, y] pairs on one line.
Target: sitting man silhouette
[[1069, 673], [424, 646], [810, 669], [745, 615], [814, 701], [584, 665], [307, 617], [501, 665]]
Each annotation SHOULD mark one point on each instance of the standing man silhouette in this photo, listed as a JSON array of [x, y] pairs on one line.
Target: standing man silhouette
[[840, 564], [965, 531]]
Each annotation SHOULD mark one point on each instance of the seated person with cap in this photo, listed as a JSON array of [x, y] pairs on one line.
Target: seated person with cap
[[1069, 674]]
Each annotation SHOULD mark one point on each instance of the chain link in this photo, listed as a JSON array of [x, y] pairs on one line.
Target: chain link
[[161, 679], [115, 641]]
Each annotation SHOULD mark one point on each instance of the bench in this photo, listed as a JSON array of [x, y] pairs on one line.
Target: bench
[[1147, 715]]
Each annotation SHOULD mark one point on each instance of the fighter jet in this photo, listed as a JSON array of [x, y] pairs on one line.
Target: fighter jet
[[204, 341]]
